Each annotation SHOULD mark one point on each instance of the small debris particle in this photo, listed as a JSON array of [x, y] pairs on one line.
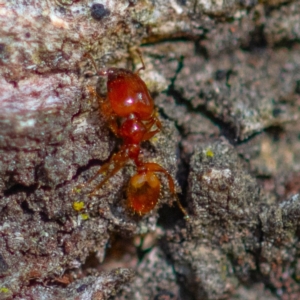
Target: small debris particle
[[82, 288], [98, 11]]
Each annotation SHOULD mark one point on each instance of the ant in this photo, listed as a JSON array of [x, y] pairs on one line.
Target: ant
[[130, 113]]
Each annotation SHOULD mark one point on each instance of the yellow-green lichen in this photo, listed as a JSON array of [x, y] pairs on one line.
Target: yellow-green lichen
[[209, 153], [76, 190], [4, 290], [84, 217], [78, 206]]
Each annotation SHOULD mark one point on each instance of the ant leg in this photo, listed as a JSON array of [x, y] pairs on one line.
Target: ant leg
[[149, 134], [143, 64], [88, 55], [153, 167], [158, 124], [119, 160], [101, 72], [153, 120]]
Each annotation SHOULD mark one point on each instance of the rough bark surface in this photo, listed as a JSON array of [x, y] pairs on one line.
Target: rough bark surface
[[225, 77]]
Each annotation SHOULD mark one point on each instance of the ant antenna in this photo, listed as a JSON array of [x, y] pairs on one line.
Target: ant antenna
[[142, 61], [99, 72]]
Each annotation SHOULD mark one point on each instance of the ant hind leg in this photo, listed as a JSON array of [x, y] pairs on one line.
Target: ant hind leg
[[154, 167], [118, 160]]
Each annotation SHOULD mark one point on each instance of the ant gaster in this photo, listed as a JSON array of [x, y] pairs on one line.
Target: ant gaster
[[128, 99]]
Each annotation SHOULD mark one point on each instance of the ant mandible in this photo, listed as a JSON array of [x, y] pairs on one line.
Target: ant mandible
[[129, 100]]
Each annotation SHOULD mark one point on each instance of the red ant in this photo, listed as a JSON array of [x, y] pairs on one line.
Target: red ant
[[129, 100]]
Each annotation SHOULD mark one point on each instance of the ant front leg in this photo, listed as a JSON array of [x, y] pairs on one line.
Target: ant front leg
[[154, 120], [149, 134]]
